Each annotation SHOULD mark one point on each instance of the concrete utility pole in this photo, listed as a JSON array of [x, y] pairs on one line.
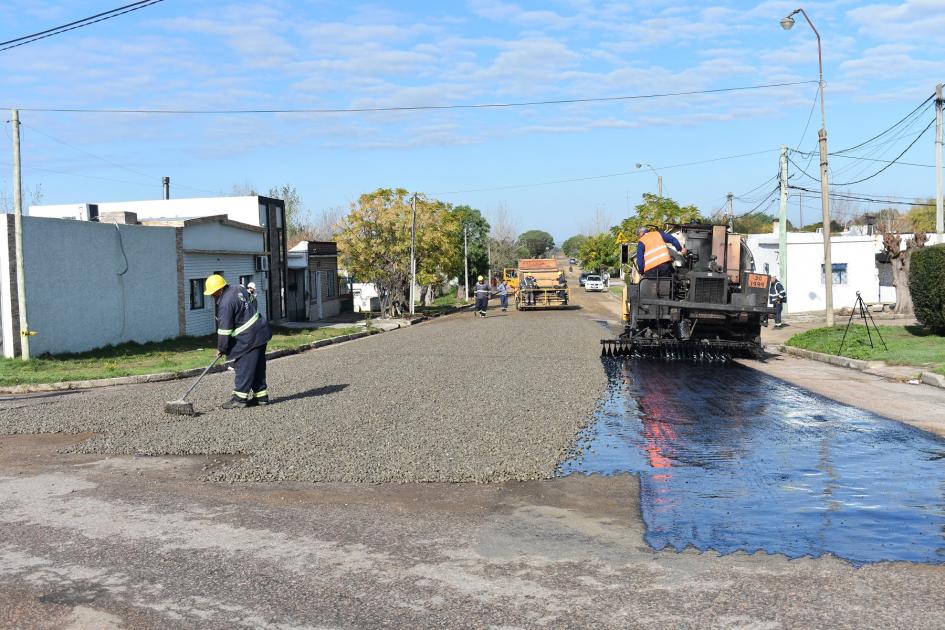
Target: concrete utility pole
[[466, 262], [729, 200], [786, 24], [413, 255], [939, 218], [18, 236], [782, 219]]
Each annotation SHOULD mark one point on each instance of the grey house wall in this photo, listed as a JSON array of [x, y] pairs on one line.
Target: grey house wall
[[198, 266], [91, 284]]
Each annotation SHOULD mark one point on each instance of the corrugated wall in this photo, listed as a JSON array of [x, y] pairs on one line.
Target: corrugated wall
[[197, 267]]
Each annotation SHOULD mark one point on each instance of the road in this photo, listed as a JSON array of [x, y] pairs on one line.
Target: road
[[90, 540]]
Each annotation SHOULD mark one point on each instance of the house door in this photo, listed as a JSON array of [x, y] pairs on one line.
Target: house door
[[295, 295]]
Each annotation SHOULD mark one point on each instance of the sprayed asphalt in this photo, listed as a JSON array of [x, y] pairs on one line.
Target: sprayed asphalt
[[90, 540]]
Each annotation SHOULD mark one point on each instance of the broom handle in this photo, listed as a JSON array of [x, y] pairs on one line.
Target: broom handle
[[202, 374]]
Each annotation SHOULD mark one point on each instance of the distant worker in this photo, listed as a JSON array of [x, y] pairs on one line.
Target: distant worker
[[503, 291], [653, 255], [778, 297], [242, 335], [251, 289], [482, 297]]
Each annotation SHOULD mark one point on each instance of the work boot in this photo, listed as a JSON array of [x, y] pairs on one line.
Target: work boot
[[262, 401], [234, 403]]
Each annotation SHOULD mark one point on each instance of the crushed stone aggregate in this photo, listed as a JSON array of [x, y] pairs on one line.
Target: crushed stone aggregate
[[460, 399]]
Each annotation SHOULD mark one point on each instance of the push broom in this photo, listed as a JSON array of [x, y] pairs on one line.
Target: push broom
[[181, 406]]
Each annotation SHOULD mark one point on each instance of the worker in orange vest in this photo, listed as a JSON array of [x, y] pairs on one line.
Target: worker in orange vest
[[653, 256]]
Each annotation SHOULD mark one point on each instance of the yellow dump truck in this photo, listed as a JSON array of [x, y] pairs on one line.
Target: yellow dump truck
[[540, 284]]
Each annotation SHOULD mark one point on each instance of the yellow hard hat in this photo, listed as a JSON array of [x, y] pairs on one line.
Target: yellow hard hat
[[214, 283], [480, 278]]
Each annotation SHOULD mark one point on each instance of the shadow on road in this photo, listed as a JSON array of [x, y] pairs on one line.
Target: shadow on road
[[310, 393]]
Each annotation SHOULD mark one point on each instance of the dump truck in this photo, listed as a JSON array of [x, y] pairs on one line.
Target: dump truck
[[539, 284], [710, 305]]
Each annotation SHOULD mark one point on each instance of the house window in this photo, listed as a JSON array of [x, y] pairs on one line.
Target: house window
[[196, 294], [839, 273], [331, 280], [245, 280]]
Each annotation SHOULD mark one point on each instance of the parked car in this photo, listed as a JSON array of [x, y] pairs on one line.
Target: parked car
[[572, 261], [593, 283], [583, 277]]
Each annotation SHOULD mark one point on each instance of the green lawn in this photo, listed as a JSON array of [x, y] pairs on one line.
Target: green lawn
[[440, 304], [618, 290], [908, 345], [134, 358]]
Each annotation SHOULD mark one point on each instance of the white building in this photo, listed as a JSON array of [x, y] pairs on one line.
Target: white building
[[855, 268], [263, 212]]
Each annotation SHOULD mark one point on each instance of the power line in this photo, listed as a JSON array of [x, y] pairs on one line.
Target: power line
[[592, 177], [71, 26], [815, 194], [356, 110], [890, 128], [911, 144]]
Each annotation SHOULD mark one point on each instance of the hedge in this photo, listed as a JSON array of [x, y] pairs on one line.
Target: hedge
[[927, 286]]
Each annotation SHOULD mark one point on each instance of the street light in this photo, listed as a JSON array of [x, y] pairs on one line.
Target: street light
[[659, 178], [787, 23]]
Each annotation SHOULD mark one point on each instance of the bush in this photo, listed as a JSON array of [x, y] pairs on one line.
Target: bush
[[927, 285]]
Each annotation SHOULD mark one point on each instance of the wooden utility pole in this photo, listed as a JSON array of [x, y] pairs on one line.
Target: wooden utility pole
[[18, 230], [466, 262], [413, 254], [782, 218], [939, 218]]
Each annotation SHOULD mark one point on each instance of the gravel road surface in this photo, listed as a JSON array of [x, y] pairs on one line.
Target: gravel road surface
[[456, 399]]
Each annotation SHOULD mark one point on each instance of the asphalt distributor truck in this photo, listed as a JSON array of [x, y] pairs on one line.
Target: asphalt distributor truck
[[710, 306]]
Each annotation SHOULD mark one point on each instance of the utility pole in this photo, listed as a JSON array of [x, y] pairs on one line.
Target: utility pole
[[166, 184], [782, 219], [939, 218], [659, 186], [413, 254], [489, 259], [18, 236], [729, 200], [466, 262]]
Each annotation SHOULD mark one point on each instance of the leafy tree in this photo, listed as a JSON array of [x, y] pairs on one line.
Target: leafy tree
[[922, 218], [477, 237], [927, 287], [654, 211], [374, 243], [536, 243], [573, 245], [835, 227], [599, 252]]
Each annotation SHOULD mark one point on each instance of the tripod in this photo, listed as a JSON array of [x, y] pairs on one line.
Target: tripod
[[864, 312]]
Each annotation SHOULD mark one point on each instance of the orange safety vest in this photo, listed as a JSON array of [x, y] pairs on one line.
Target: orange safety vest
[[655, 251]]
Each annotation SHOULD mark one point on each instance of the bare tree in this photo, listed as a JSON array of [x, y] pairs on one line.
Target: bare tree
[[502, 235], [599, 223], [901, 259]]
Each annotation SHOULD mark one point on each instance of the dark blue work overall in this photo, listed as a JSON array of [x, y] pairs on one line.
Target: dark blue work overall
[[242, 335]]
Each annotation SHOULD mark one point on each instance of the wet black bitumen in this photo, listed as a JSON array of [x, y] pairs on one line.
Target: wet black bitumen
[[731, 459]]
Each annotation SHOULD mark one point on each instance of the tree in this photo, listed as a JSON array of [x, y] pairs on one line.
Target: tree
[[835, 227], [502, 240], [571, 246], [901, 262], [374, 244], [536, 243], [599, 252], [922, 218], [477, 237], [654, 211]]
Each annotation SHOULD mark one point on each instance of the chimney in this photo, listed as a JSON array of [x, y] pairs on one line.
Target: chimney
[[775, 226], [167, 188]]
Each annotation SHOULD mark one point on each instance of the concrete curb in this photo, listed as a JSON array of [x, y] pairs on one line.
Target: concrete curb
[[173, 376], [929, 378]]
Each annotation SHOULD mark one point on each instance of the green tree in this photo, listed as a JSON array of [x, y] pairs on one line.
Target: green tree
[[571, 246], [922, 218], [536, 243], [600, 252], [654, 211], [835, 227], [477, 236], [374, 243]]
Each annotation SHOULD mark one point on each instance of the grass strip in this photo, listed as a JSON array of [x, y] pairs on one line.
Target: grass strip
[[908, 345], [130, 359]]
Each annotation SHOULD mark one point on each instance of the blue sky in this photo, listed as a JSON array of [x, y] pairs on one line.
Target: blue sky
[[197, 54]]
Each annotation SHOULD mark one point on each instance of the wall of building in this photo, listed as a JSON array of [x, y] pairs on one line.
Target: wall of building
[[202, 321], [242, 209], [90, 284], [805, 254], [216, 236], [323, 276]]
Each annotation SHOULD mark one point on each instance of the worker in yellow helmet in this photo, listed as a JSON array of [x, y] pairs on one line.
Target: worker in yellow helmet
[[242, 335]]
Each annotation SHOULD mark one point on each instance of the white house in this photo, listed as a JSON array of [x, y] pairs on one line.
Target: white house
[[855, 268], [263, 212]]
